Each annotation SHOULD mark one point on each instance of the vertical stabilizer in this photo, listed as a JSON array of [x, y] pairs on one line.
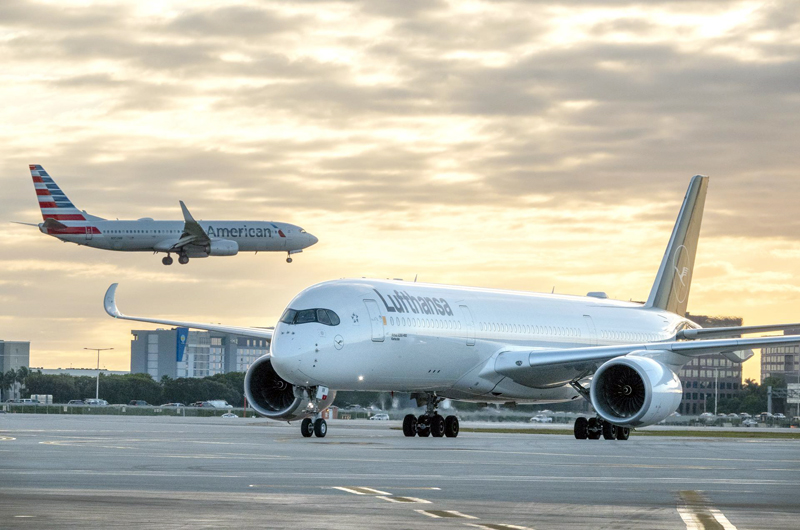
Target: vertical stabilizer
[[671, 288], [52, 201]]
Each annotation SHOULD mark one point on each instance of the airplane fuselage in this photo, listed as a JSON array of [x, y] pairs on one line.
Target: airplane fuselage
[[402, 336], [145, 235]]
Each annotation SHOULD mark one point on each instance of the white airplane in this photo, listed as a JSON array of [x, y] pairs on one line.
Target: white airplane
[[187, 238], [485, 345]]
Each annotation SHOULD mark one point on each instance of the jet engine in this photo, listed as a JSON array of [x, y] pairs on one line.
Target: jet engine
[[635, 391], [222, 247], [275, 398]]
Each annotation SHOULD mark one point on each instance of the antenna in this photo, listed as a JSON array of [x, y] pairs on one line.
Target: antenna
[[554, 290], [415, 278]]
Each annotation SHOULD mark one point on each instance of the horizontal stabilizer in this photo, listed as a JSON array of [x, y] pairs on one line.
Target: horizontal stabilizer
[[110, 305], [26, 224], [52, 223]]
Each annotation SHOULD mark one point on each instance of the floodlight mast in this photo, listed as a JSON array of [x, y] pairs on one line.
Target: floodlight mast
[[97, 388]]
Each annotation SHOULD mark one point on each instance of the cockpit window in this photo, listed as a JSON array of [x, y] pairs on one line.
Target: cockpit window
[[302, 231], [306, 316]]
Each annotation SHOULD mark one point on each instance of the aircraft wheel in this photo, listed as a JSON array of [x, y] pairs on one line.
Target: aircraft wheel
[[423, 426], [623, 433], [581, 428], [183, 259], [307, 428], [609, 431], [288, 260], [166, 260], [451, 426], [320, 428], [594, 429], [437, 426], [410, 425]]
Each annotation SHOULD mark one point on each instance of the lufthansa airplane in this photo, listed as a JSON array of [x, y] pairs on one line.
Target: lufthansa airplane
[[485, 345], [187, 238]]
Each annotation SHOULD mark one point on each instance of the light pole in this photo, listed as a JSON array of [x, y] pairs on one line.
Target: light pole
[[716, 389], [98, 350]]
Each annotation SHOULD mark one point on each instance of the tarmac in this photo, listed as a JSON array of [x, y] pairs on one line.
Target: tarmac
[[63, 471]]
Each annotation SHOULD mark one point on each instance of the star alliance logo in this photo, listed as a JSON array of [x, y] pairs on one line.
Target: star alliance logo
[[355, 318]]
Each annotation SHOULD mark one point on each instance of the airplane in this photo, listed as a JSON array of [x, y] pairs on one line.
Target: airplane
[[490, 346], [187, 238]]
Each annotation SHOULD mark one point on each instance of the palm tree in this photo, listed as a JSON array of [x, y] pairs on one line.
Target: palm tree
[[22, 375], [9, 378]]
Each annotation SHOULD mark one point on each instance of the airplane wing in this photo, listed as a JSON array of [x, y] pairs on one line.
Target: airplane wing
[[193, 233], [110, 305], [712, 333], [547, 367]]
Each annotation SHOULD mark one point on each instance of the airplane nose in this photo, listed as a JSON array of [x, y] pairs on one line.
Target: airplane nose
[[312, 239]]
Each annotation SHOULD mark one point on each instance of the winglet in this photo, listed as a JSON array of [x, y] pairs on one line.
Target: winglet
[[110, 302], [186, 215]]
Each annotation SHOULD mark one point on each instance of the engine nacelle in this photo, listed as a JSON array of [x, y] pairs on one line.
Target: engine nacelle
[[635, 391], [273, 397], [222, 247]]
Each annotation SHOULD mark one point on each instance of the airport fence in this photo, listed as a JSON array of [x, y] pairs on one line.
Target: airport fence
[[120, 410]]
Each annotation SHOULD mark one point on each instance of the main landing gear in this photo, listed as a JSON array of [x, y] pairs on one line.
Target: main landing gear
[[594, 428], [183, 259], [317, 427], [430, 423]]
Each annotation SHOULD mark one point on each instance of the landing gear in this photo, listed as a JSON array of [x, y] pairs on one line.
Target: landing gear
[[288, 260], [309, 428], [320, 428], [594, 428], [431, 423], [410, 425], [167, 260], [183, 259]]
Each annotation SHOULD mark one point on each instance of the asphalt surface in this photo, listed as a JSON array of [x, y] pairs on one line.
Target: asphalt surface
[[107, 472]]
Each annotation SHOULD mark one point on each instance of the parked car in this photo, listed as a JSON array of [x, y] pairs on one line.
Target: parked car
[[229, 415], [749, 423], [172, 405], [138, 403], [218, 404], [541, 418], [779, 416], [744, 415], [75, 402], [379, 417], [95, 402], [24, 401]]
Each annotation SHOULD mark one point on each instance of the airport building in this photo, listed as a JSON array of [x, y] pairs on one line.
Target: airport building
[[782, 361], [78, 372], [14, 354], [178, 352], [701, 376]]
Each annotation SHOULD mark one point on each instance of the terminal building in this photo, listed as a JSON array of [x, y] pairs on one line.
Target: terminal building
[[701, 376], [781, 361], [178, 352], [14, 354]]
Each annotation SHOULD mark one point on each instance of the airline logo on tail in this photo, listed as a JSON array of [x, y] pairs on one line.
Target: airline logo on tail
[[52, 201], [683, 273]]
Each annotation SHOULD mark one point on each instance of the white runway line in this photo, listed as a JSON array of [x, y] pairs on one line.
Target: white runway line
[[697, 513], [440, 514], [498, 526], [361, 491], [721, 519], [405, 499]]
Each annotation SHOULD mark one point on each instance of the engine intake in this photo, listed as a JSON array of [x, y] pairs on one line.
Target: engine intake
[[635, 391], [273, 397]]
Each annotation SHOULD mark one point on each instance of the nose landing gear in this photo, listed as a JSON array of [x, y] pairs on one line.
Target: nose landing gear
[[431, 423], [167, 260]]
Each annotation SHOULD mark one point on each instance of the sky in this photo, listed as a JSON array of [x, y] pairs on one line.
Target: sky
[[519, 145]]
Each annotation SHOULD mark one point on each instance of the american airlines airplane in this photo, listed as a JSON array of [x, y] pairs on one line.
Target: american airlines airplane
[[187, 238], [485, 345]]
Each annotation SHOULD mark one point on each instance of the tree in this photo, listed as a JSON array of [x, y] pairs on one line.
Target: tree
[[9, 378]]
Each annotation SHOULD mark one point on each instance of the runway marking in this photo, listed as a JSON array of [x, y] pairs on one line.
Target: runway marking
[[488, 526], [439, 514], [6, 438], [361, 491], [697, 513], [405, 499]]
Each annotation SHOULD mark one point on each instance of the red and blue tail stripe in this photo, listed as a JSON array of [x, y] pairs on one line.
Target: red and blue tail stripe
[[52, 201]]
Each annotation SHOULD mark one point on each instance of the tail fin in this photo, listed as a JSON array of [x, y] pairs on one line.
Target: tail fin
[[671, 288], [52, 201]]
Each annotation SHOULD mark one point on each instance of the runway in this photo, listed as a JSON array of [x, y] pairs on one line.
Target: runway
[[107, 471]]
